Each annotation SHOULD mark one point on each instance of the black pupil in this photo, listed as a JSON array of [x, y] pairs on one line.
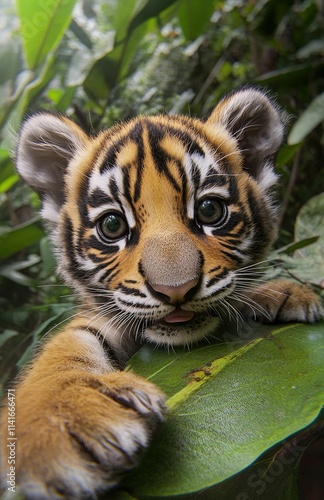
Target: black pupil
[[113, 226], [112, 223], [210, 211]]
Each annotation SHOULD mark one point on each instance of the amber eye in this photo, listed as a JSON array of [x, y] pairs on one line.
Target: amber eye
[[210, 211], [112, 226]]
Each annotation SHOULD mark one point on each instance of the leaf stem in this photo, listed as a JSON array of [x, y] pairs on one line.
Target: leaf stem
[[203, 374]]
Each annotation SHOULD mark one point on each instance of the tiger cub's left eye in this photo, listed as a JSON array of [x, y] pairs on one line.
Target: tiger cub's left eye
[[210, 211], [112, 226]]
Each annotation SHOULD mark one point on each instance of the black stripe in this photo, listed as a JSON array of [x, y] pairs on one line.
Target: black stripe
[[136, 135], [217, 268], [105, 248], [126, 185], [109, 161], [81, 248], [96, 259], [160, 157], [98, 198], [201, 260], [140, 269], [70, 254], [217, 278], [195, 229], [134, 237], [262, 224], [230, 247], [214, 179], [102, 263], [282, 305], [114, 189], [234, 240], [110, 273], [232, 222], [195, 175], [109, 351], [138, 306], [113, 275], [221, 290], [188, 140], [232, 256], [82, 201], [184, 186], [131, 291], [233, 189]]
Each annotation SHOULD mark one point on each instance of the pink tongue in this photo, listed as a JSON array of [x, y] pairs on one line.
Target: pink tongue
[[179, 316]]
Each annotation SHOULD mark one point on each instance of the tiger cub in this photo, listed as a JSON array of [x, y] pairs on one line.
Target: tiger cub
[[157, 223]]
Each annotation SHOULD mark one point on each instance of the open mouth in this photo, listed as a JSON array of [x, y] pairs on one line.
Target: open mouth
[[178, 315], [181, 327]]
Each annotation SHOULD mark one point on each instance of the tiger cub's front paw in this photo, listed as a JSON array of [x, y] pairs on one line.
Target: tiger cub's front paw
[[284, 301], [79, 439]]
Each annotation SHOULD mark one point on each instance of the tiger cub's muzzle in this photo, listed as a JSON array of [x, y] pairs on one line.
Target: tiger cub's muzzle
[[172, 266]]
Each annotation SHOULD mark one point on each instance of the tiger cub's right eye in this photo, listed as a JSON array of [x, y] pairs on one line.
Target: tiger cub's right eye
[[210, 212], [112, 226]]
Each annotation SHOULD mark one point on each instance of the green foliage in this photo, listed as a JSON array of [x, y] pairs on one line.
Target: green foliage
[[43, 29], [193, 19], [13, 240], [226, 400], [106, 60], [307, 264], [309, 119]]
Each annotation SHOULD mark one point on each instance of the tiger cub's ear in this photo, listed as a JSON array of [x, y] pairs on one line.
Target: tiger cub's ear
[[258, 126], [46, 145]]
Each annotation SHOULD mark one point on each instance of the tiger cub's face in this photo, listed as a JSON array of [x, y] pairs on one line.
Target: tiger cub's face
[[157, 220]]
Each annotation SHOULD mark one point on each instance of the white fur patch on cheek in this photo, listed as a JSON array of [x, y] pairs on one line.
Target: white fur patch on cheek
[[267, 178], [50, 211]]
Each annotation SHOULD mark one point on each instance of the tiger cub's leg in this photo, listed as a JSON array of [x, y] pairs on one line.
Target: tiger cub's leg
[[79, 424], [284, 301]]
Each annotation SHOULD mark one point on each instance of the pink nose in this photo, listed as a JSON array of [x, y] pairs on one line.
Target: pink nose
[[175, 294]]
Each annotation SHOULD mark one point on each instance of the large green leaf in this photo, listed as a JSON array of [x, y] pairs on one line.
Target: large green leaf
[[308, 120], [8, 176], [304, 258], [292, 76], [22, 236], [145, 10], [310, 220], [123, 15], [228, 403], [310, 259], [36, 85], [285, 154], [272, 477], [193, 18], [42, 27]]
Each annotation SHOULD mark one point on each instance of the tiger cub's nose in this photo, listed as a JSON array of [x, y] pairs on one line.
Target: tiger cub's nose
[[174, 294]]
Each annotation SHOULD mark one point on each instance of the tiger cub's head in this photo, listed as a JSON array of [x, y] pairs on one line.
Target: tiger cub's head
[[157, 219]]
